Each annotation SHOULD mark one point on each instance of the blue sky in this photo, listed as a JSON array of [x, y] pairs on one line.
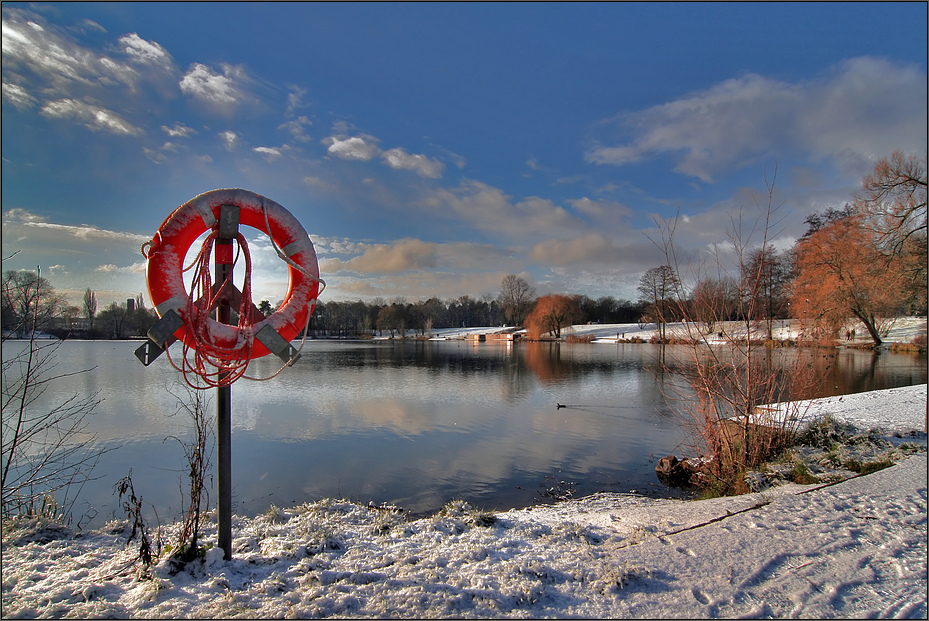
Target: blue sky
[[431, 149]]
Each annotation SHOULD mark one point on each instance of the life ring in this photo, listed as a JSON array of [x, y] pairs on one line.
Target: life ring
[[175, 236]]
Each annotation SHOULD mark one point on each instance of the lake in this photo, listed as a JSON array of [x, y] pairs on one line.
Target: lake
[[411, 423]]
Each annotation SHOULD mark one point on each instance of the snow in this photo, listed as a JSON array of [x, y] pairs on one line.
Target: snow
[[851, 549], [900, 330]]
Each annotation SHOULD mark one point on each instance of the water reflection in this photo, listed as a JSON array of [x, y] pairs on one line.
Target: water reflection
[[416, 423]]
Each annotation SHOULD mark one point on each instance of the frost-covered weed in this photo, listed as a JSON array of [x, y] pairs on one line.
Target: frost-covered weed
[[464, 513], [277, 515], [386, 519], [825, 432], [615, 578]]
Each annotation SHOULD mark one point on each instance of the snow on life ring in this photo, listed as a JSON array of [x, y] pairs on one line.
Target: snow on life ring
[[166, 253]]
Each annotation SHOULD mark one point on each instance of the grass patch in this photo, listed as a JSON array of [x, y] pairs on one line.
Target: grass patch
[[801, 474], [867, 467]]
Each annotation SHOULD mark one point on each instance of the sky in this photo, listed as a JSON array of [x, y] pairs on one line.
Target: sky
[[430, 149]]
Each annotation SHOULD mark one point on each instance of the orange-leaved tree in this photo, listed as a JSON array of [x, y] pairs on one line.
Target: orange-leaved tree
[[552, 313], [842, 273]]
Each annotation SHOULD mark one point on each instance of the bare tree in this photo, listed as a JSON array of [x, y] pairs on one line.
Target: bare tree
[[657, 288], [713, 301], [29, 301], [46, 454], [113, 319], [90, 307], [768, 277], [892, 202], [727, 383], [893, 197], [517, 298]]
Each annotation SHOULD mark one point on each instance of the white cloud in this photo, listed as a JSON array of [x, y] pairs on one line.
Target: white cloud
[[20, 218], [146, 52], [401, 256], [561, 252], [230, 139], [487, 208], [18, 96], [93, 117], [91, 25], [318, 183], [358, 148], [221, 91], [862, 109], [58, 60], [160, 155], [295, 100], [420, 164], [601, 212], [62, 67], [178, 130], [135, 268], [297, 128], [270, 153]]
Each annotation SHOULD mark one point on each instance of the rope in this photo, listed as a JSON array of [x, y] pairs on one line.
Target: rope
[[214, 364], [319, 281]]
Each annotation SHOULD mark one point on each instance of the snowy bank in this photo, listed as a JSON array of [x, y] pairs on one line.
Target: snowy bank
[[851, 549]]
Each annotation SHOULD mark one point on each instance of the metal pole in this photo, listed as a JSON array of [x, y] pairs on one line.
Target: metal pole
[[223, 261]]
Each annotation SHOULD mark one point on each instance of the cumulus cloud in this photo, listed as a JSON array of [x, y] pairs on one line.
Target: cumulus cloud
[[420, 164], [592, 247], [145, 52], [601, 212], [487, 208], [400, 256], [597, 252], [358, 148], [93, 117], [219, 91], [861, 109], [416, 286]]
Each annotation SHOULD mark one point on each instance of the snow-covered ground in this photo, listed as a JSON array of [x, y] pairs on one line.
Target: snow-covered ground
[[852, 549], [901, 330]]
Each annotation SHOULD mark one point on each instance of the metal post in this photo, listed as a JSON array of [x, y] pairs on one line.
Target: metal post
[[223, 261]]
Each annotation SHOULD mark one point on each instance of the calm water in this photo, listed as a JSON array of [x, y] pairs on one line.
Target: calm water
[[411, 423]]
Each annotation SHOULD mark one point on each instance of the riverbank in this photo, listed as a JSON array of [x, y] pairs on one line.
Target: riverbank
[[851, 549]]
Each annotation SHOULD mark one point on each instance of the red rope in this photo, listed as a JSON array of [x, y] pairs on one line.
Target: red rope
[[213, 363]]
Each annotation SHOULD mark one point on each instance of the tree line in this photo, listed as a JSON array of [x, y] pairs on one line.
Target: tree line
[[867, 260], [30, 303]]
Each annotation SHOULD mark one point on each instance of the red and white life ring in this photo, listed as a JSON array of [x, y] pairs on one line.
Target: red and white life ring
[[175, 236]]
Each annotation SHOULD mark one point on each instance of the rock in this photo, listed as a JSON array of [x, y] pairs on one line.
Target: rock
[[672, 472], [687, 473]]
